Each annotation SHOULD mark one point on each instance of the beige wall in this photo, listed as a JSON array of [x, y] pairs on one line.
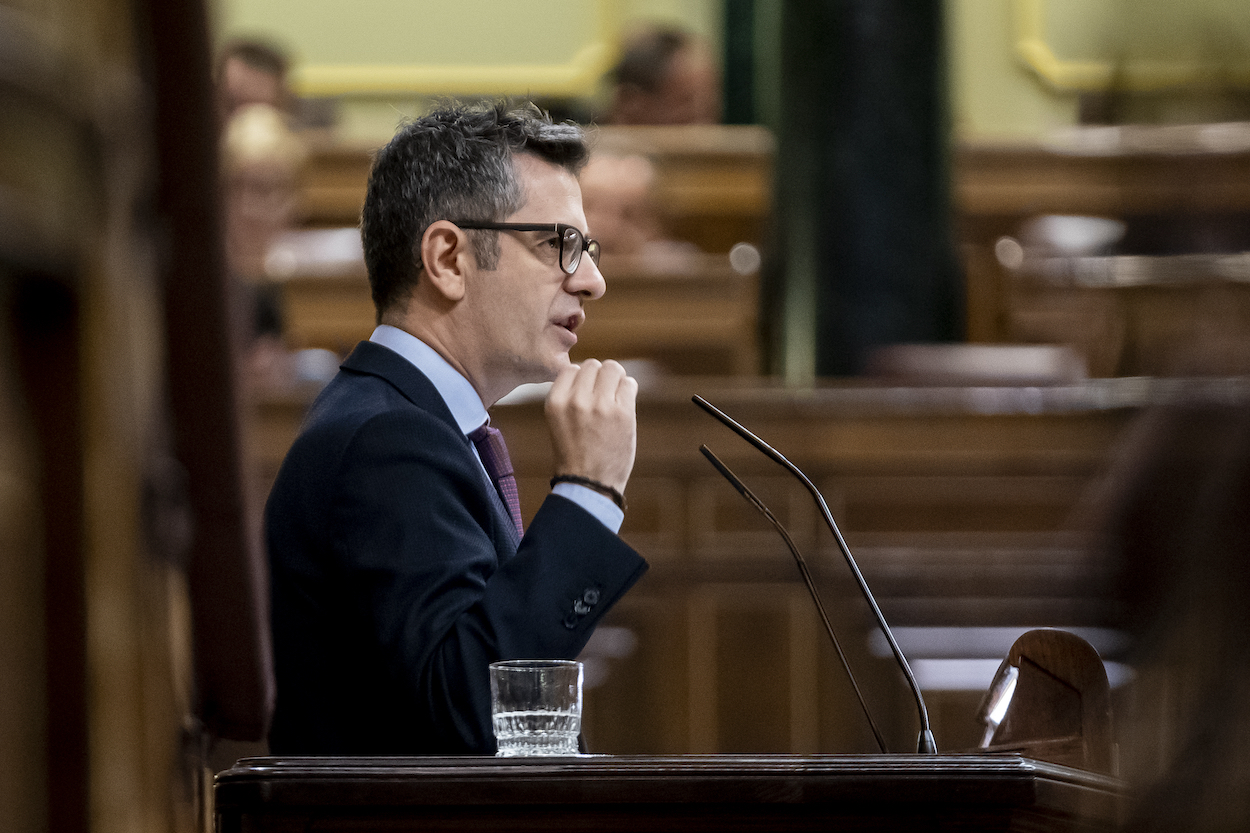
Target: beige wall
[[384, 58], [1017, 66], [434, 32], [993, 93]]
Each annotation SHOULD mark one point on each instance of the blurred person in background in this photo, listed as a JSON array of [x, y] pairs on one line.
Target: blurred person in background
[[261, 161], [618, 193], [251, 71], [666, 75]]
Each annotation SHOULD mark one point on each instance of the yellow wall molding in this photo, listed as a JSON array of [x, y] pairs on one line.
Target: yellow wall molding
[[577, 76], [1100, 74]]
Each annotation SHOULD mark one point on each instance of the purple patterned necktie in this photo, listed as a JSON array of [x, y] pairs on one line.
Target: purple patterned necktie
[[498, 465]]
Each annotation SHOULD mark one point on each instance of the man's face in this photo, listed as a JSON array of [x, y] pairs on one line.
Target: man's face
[[690, 93], [525, 312], [243, 84], [616, 193]]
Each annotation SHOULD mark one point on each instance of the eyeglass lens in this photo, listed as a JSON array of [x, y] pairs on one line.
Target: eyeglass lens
[[571, 247], [570, 250]]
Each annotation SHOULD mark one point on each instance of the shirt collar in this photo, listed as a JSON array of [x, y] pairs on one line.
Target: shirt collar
[[462, 400]]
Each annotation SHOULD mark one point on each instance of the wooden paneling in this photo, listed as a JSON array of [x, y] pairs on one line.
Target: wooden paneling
[[713, 182], [332, 312], [958, 518], [332, 187]]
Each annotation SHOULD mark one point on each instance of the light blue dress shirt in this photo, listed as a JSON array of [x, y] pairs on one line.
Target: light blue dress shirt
[[467, 409]]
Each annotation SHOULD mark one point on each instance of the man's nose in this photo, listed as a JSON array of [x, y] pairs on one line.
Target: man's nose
[[587, 280]]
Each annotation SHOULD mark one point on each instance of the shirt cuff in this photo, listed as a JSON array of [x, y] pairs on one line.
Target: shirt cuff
[[601, 506]]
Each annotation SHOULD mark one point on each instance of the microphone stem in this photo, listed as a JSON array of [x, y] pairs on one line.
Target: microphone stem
[[926, 743], [737, 483]]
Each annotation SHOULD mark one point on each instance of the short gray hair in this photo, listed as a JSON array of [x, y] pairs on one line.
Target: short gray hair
[[454, 163]]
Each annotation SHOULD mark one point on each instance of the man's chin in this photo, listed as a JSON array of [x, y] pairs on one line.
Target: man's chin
[[541, 373], [556, 365], [534, 385]]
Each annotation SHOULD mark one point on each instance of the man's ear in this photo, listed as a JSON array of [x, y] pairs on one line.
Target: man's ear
[[447, 257]]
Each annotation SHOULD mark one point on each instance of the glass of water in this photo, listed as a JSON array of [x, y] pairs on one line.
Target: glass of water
[[536, 705]]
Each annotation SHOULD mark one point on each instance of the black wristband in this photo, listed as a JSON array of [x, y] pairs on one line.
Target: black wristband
[[601, 488]]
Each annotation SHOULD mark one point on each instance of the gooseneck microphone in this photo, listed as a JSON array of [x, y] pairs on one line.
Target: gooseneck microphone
[[925, 743], [807, 579]]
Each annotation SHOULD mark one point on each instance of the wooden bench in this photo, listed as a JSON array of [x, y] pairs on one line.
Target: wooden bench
[[713, 188], [702, 319], [1169, 307]]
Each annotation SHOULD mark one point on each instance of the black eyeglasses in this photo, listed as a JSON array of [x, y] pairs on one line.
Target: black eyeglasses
[[572, 241]]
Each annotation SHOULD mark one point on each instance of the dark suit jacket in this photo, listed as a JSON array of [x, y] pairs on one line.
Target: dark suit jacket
[[396, 576]]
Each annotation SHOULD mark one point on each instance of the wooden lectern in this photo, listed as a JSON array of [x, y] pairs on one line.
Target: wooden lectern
[[1059, 708], [686, 794]]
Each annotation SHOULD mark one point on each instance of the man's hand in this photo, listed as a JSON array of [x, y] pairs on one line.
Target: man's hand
[[594, 427]]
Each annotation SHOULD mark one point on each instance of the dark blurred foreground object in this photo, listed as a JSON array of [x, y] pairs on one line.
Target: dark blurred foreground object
[[123, 522], [1176, 519], [224, 565]]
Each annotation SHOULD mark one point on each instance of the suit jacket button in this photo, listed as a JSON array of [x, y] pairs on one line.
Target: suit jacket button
[[581, 608], [571, 621], [591, 597]]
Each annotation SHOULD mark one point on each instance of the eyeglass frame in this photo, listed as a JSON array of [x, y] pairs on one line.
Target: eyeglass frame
[[560, 229]]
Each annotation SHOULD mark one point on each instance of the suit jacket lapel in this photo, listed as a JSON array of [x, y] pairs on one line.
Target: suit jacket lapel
[[386, 364]]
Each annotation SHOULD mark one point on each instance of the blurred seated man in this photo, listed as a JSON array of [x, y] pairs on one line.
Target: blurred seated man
[[618, 193], [261, 162], [665, 76], [251, 71]]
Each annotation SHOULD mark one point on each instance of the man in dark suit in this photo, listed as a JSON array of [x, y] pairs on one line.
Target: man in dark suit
[[398, 567]]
